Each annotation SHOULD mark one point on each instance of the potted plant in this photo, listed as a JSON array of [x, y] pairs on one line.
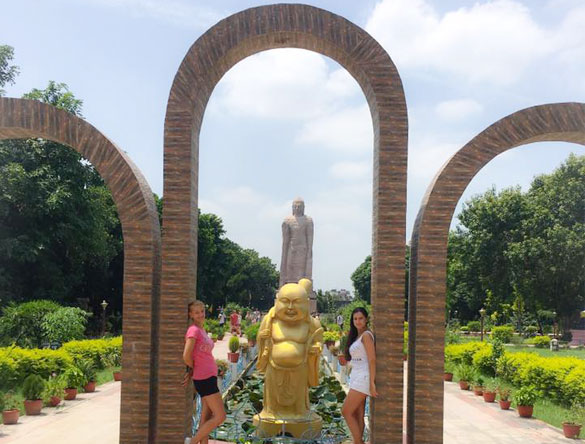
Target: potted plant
[[234, 346], [334, 350], [214, 337], [478, 386], [54, 390], [245, 349], [489, 391], [504, 395], [220, 333], [114, 360], [525, 397], [448, 372], [330, 337], [88, 370], [252, 332], [222, 367], [73, 379], [9, 406], [32, 389], [341, 355], [574, 420], [465, 373]]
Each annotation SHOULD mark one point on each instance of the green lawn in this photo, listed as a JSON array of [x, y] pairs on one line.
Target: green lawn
[[563, 353]]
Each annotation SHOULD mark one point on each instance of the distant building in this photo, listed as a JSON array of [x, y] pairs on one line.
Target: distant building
[[341, 297]]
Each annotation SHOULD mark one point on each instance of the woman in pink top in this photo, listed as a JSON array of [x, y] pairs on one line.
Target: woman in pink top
[[199, 358]]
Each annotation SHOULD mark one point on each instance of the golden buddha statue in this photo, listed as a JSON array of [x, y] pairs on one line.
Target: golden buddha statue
[[289, 346]]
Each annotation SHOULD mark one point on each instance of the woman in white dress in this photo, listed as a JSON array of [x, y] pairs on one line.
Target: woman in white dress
[[360, 351]]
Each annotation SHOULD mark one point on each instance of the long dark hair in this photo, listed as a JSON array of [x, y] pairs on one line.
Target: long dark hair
[[353, 332]]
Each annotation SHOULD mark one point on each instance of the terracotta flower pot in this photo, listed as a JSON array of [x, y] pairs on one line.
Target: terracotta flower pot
[[525, 411], [489, 396], [54, 401], [342, 360], [571, 430], [117, 376], [89, 387], [33, 407], [10, 416], [233, 357], [505, 405], [464, 385], [477, 390], [70, 394], [448, 376]]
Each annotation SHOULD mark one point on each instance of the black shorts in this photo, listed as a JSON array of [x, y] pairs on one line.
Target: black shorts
[[206, 387]]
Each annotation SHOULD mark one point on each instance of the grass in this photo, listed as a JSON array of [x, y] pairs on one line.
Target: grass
[[545, 352], [550, 413]]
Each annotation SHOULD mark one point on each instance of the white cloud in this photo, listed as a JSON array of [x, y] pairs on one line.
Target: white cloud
[[351, 170], [495, 42], [348, 130], [176, 12], [457, 110]]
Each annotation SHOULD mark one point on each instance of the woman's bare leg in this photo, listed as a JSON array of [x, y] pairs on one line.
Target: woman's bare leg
[[360, 412], [205, 416], [215, 405], [352, 403]]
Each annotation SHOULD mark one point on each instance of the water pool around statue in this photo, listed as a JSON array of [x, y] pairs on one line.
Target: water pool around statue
[[245, 400]]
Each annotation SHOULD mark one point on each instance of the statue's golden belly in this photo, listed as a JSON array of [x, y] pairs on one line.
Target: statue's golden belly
[[288, 353]]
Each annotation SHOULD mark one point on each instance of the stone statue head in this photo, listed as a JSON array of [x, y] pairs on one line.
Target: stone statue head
[[292, 303], [298, 207]]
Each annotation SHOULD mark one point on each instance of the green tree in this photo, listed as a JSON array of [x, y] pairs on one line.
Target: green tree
[[60, 236], [362, 280], [8, 72]]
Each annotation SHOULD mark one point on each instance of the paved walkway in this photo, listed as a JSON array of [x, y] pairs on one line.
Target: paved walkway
[[94, 418]]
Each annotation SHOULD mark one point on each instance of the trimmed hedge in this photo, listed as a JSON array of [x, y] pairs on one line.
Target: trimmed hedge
[[539, 341], [17, 363], [560, 379]]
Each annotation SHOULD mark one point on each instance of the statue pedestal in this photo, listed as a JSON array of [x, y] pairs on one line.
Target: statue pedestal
[[309, 428]]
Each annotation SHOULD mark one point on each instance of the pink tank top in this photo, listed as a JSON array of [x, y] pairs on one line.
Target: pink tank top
[[203, 361]]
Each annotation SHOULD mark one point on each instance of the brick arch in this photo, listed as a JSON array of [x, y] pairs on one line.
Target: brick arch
[[20, 118], [554, 122], [211, 56]]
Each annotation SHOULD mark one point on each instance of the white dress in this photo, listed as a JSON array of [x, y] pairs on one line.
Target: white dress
[[359, 380]]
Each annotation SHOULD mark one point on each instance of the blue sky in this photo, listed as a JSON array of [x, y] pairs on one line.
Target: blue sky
[[305, 129]]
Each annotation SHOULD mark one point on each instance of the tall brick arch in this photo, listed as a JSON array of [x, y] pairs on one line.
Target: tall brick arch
[[211, 56], [554, 122], [134, 201]]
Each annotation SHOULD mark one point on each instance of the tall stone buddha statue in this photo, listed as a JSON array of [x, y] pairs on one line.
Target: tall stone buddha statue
[[297, 245], [289, 346]]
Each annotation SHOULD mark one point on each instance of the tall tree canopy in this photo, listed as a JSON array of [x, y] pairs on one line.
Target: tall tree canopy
[[527, 250], [8, 72]]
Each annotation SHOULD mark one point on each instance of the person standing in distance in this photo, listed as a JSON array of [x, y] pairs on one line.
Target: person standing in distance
[[200, 362], [361, 352], [340, 322]]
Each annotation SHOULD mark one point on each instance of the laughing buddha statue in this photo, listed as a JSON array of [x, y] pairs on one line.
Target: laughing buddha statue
[[289, 346]]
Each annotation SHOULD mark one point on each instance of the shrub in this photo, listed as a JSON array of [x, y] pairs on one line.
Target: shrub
[[530, 331], [54, 387], [95, 350], [88, 369], [539, 341], [330, 336], [574, 386], [21, 324], [252, 331], [8, 401], [464, 329], [463, 353], [222, 367], [16, 363], [73, 378], [465, 373], [234, 344], [65, 324], [526, 395], [502, 333], [33, 387], [451, 337], [484, 361], [474, 326]]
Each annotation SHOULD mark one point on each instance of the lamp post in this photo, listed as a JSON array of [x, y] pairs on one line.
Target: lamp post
[[482, 315], [554, 324], [104, 305]]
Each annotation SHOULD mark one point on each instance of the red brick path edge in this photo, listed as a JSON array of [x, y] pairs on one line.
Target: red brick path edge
[[211, 56], [22, 119], [563, 122]]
